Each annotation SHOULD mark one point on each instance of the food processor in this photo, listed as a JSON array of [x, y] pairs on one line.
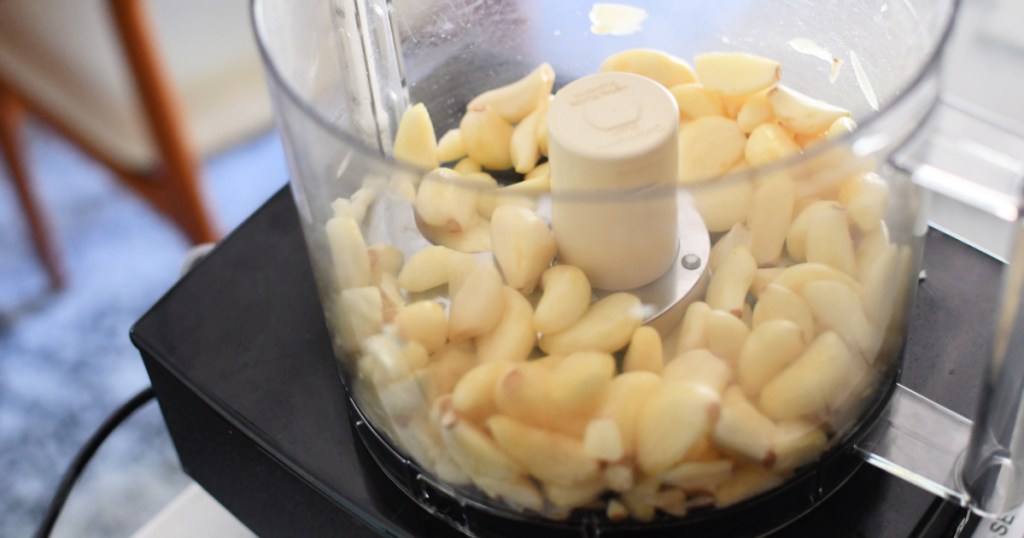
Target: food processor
[[630, 324]]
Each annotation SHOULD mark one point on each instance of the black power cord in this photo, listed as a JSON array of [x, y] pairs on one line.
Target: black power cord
[[85, 454]]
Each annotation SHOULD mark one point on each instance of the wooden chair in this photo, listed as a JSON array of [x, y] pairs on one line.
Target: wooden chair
[[153, 155]]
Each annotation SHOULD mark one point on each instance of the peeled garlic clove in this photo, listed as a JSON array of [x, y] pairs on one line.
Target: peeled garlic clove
[[415, 141], [672, 502], [699, 367], [513, 338], [515, 101], [543, 169], [881, 281], [426, 269], [709, 146], [770, 348], [866, 199], [542, 127], [619, 476], [476, 452], [424, 322], [699, 475], [729, 284], [526, 194], [670, 423], [578, 383], [641, 499], [607, 326], [777, 302], [644, 353], [745, 482], [693, 333], [806, 385], [449, 364], [796, 237], [724, 204], [737, 236], [755, 111], [736, 73], [523, 246], [565, 299], [840, 127], [603, 441], [467, 166], [548, 456], [384, 259], [487, 138], [829, 242], [349, 255], [617, 511], [476, 309], [871, 247], [473, 396], [803, 114], [768, 143], [523, 148], [726, 335], [444, 200], [770, 215], [796, 443], [519, 492], [625, 396], [360, 316], [574, 496], [522, 393], [449, 147], [839, 309], [797, 276], [742, 430], [664, 69], [695, 101], [476, 238]]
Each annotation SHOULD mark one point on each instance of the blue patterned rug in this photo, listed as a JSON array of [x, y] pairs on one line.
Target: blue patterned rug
[[65, 359]]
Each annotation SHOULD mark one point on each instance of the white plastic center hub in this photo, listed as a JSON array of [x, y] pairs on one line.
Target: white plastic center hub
[[613, 152]]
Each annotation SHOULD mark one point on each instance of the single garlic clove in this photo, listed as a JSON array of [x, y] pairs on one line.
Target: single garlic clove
[[866, 199], [360, 316], [565, 299], [803, 114], [641, 499], [872, 245], [742, 431], [424, 322], [449, 364], [737, 236], [619, 476], [709, 146], [349, 255], [746, 481], [695, 101], [548, 456], [796, 237], [699, 367], [473, 397], [415, 141], [468, 166], [487, 138], [523, 246], [476, 452], [768, 143], [515, 101], [699, 475], [450, 148], [762, 279], [736, 73], [477, 238], [606, 326], [543, 169], [797, 276], [771, 213], [625, 396], [838, 308], [664, 69], [806, 385], [881, 281], [670, 423], [724, 204], [644, 353], [526, 194], [829, 242], [445, 200], [726, 335], [514, 338], [477, 307], [840, 127], [729, 284], [542, 127], [693, 332], [523, 148], [777, 302], [771, 347], [575, 495], [426, 269], [578, 383], [755, 111], [796, 443], [617, 511]]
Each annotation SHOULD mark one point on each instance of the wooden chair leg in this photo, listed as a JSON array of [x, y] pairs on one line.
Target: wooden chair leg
[[10, 145], [180, 171]]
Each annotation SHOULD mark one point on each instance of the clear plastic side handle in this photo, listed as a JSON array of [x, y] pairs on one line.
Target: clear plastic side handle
[[975, 162]]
